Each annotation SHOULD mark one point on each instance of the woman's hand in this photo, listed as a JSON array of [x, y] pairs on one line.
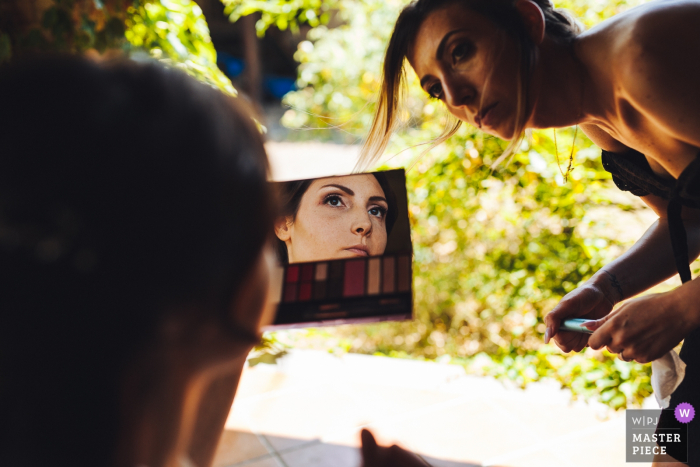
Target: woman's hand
[[590, 301], [374, 455], [645, 328]]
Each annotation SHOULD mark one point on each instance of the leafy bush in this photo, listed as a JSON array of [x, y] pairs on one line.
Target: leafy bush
[[173, 31]]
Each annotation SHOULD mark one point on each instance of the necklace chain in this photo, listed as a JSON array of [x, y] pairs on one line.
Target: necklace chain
[[570, 168]]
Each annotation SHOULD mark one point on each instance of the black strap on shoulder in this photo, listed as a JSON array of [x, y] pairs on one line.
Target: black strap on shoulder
[[679, 240]]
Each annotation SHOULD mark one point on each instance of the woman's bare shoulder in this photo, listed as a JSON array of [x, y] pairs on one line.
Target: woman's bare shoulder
[[661, 25], [660, 35], [655, 65]]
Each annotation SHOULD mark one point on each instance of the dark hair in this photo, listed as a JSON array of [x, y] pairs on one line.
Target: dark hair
[[559, 26], [291, 193], [126, 190]]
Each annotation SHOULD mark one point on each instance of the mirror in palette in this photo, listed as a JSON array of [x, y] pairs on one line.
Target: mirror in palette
[[341, 217], [344, 249]]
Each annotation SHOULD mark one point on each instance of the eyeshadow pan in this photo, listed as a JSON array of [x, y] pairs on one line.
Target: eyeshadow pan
[[305, 291], [290, 292], [404, 274], [307, 272], [292, 273], [335, 279], [354, 284], [388, 275], [321, 271], [374, 278], [319, 290]]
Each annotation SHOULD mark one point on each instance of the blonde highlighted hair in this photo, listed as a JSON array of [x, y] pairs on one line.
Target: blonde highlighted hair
[[559, 26]]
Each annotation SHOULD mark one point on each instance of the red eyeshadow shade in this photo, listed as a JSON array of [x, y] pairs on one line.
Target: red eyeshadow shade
[[305, 291], [307, 272], [354, 284], [292, 274]]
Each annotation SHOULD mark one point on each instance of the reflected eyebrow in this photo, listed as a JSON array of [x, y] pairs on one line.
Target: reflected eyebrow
[[439, 52], [341, 187]]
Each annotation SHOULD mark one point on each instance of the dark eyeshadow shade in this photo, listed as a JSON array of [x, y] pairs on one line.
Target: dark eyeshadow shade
[[335, 279], [404, 273], [290, 292], [307, 272], [319, 290], [388, 275]]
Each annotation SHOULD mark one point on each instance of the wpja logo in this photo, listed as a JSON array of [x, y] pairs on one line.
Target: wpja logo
[[645, 438]]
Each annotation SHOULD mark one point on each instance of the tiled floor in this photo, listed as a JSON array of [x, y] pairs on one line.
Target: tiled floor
[[308, 410]]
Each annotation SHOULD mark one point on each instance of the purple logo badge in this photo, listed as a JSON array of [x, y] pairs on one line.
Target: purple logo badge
[[684, 412]]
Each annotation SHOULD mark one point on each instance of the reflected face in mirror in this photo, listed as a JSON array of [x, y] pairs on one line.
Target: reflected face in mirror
[[338, 217]]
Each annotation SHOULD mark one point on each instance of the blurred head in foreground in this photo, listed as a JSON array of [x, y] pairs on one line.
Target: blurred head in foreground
[[134, 210]]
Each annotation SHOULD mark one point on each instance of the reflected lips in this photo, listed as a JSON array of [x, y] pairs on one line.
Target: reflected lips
[[359, 250]]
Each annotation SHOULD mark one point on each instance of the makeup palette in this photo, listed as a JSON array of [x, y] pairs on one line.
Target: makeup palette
[[355, 289], [343, 291]]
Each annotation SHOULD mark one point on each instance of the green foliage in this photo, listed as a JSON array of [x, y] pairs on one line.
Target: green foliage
[[281, 13], [72, 26], [494, 250], [172, 31], [175, 32], [590, 375], [268, 351]]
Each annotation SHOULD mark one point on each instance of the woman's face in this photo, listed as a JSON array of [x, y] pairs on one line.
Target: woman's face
[[466, 61], [338, 217]]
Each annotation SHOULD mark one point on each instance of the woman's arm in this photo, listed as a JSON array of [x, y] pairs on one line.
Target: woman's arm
[[649, 261]]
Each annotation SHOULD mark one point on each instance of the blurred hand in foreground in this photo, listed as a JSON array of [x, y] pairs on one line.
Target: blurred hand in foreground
[[374, 455]]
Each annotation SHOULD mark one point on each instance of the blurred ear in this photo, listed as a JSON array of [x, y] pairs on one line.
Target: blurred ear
[[533, 17], [283, 228]]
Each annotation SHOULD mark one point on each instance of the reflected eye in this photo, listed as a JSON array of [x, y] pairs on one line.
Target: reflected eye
[[462, 51], [377, 211], [333, 200], [435, 91]]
